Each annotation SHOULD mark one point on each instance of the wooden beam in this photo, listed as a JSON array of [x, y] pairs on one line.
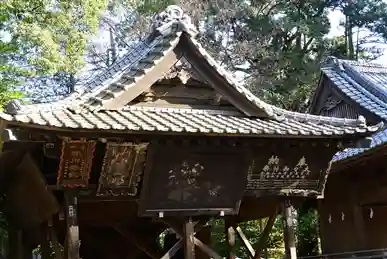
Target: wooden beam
[[265, 235], [171, 252], [45, 249], [188, 237], [72, 235], [196, 241], [56, 246], [204, 234], [289, 235], [245, 241], [15, 245], [137, 242], [205, 248], [230, 226]]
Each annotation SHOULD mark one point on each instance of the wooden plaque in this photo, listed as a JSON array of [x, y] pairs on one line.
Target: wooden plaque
[[122, 169], [300, 172], [75, 163], [193, 181]]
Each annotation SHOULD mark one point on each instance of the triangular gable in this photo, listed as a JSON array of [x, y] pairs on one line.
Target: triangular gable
[[350, 89], [172, 38], [362, 86], [183, 87]]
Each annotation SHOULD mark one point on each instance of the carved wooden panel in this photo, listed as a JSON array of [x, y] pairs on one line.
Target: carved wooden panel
[[193, 181], [75, 163], [122, 169], [280, 171]]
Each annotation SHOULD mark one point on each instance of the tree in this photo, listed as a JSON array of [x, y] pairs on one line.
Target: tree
[[359, 16], [45, 38]]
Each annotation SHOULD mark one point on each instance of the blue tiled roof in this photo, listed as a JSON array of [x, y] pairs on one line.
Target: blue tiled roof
[[365, 84], [378, 139]]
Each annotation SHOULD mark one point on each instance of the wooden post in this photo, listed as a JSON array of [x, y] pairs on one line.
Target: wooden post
[[289, 235], [204, 234], [359, 227], [72, 235], [261, 245], [229, 225], [15, 240], [188, 236], [45, 249], [245, 241]]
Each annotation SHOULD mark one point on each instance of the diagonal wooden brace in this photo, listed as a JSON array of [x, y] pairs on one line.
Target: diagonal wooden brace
[[197, 226]]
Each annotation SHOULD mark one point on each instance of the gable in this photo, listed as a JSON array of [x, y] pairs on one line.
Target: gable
[[182, 87], [172, 38], [329, 100]]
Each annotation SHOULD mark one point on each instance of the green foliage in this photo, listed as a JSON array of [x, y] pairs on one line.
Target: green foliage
[[307, 232], [279, 45], [42, 37], [252, 230]]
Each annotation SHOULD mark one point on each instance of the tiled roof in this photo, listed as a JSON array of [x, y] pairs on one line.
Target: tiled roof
[[85, 108], [365, 84], [378, 139], [145, 119]]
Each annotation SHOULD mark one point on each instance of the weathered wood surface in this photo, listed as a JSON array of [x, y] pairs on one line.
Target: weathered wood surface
[[27, 195], [72, 242], [122, 169], [289, 231], [75, 163], [193, 181]]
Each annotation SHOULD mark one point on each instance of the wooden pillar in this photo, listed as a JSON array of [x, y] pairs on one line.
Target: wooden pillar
[[230, 226], [45, 249], [72, 236], [289, 235], [359, 227], [205, 236], [188, 236], [19, 248], [15, 240], [27, 250], [262, 243]]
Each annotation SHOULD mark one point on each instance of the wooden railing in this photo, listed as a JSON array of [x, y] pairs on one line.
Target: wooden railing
[[364, 254]]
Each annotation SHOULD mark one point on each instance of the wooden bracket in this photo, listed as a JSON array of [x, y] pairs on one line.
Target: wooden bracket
[[137, 241]]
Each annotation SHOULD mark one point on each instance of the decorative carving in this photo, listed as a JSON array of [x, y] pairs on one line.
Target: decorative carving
[[331, 102], [273, 170], [173, 14], [184, 71], [276, 175], [122, 169], [193, 180], [75, 163], [183, 180]]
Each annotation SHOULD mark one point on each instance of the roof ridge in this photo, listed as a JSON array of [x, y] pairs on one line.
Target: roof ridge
[[334, 61], [354, 69], [286, 114]]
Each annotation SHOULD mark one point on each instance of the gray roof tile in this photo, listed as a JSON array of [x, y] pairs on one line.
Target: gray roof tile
[[84, 109], [365, 84], [142, 120]]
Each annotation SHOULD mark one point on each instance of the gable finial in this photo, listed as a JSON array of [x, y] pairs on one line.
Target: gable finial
[[173, 15]]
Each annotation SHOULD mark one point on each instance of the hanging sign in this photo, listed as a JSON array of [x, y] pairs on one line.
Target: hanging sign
[[75, 163]]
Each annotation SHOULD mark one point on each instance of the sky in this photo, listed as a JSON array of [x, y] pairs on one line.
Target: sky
[[336, 30]]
